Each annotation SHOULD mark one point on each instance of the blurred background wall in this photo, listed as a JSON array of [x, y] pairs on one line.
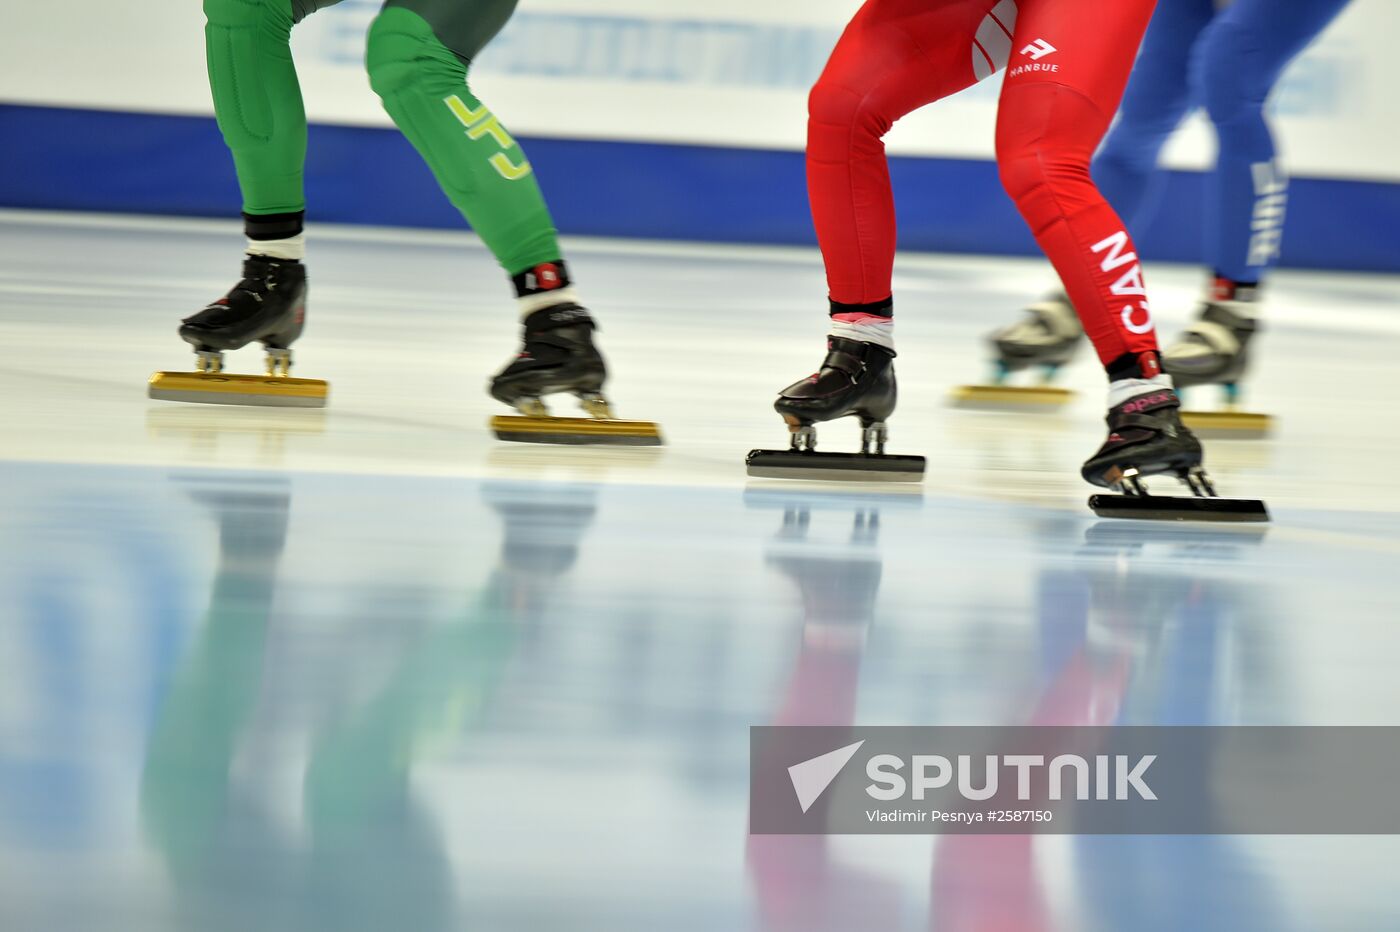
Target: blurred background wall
[[645, 118]]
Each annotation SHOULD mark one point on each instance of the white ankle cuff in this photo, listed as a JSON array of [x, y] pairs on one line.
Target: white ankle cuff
[[293, 247], [881, 333], [1121, 390]]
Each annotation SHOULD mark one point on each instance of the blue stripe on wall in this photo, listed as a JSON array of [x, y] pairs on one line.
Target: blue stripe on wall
[[63, 159]]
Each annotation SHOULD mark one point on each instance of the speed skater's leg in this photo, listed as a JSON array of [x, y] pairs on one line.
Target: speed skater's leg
[[257, 102], [1062, 88], [1237, 63], [1048, 334], [418, 57], [894, 57]]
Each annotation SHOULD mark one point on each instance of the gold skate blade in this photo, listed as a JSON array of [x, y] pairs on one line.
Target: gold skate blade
[[223, 388], [576, 430], [1240, 425], [834, 467], [1010, 397], [1178, 508]]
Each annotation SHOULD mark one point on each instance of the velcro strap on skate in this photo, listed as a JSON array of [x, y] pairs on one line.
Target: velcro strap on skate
[[844, 362], [1217, 336], [261, 275], [1146, 421], [1233, 315], [1056, 317], [559, 315]]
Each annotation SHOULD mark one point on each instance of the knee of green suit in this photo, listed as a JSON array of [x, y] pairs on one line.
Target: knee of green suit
[[257, 98], [478, 164], [402, 54]]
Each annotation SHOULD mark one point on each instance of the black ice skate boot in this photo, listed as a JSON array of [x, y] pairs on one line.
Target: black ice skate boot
[[557, 356], [268, 306], [1046, 338], [1146, 438], [855, 380]]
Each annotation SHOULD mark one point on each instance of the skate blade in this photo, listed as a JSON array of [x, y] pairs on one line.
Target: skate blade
[[1010, 397], [576, 430], [834, 467], [1178, 508], [1226, 425], [225, 389]]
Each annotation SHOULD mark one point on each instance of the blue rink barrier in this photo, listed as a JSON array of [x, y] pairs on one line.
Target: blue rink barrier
[[68, 159]]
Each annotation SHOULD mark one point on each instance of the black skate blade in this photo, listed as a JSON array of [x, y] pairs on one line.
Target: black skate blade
[[1178, 508], [576, 430], [1228, 425], [1010, 397], [223, 388], [834, 467]]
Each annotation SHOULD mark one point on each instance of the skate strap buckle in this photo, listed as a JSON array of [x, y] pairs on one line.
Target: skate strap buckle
[[1222, 315]]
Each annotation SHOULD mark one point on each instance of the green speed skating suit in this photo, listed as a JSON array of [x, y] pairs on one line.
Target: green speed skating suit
[[418, 55]]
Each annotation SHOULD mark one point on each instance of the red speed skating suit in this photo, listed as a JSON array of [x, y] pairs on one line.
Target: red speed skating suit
[[1067, 63]]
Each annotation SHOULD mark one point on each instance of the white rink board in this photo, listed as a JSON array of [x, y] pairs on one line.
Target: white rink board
[[723, 72]]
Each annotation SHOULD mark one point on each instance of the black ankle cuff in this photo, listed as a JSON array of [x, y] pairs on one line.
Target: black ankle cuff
[[883, 308], [858, 348], [538, 279], [274, 226], [1146, 365]]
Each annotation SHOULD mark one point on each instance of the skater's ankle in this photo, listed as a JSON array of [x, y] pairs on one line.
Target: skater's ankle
[[1144, 365], [1134, 374], [872, 322], [276, 236], [543, 286]]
